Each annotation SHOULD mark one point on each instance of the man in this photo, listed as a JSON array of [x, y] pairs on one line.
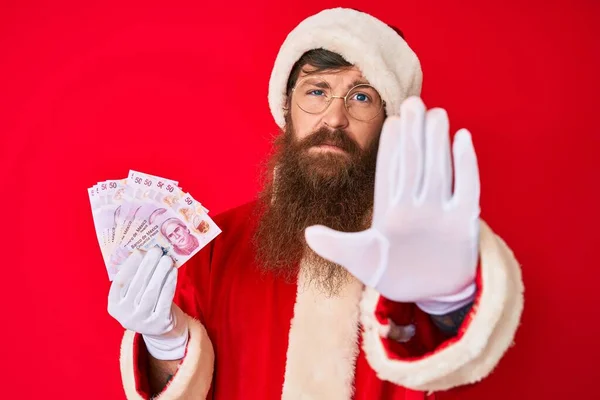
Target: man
[[362, 272]]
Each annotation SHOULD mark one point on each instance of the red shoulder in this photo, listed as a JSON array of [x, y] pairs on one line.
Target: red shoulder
[[237, 220]]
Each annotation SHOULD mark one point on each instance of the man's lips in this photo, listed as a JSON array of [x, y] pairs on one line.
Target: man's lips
[[328, 146]]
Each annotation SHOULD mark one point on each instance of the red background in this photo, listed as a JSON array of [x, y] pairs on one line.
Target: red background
[[88, 91]]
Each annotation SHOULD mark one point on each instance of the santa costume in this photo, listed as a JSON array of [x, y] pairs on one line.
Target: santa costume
[[254, 335]]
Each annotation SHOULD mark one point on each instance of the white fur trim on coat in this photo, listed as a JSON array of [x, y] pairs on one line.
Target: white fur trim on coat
[[323, 342], [383, 57], [194, 375], [474, 355]]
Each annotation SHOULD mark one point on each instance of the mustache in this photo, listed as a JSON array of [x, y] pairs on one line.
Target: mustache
[[337, 137]]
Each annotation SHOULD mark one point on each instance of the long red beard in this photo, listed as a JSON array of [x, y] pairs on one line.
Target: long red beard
[[309, 188]]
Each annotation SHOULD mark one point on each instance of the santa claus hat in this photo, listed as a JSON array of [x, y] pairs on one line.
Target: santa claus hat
[[380, 53]]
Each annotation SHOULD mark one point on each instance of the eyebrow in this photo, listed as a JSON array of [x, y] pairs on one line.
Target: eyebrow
[[357, 82], [322, 84]]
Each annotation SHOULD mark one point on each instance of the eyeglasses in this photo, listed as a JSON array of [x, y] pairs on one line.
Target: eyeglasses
[[314, 95]]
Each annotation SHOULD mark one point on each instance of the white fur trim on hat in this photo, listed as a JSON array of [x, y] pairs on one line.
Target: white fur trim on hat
[[380, 53]]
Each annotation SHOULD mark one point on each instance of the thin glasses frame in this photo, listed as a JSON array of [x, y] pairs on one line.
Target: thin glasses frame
[[345, 98]]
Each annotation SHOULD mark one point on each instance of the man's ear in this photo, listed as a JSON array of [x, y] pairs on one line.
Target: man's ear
[[286, 116], [286, 106]]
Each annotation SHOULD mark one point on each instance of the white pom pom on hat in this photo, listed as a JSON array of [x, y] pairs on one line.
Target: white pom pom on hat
[[381, 54]]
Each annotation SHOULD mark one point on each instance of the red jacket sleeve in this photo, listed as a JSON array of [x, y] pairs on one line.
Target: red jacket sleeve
[[431, 362]]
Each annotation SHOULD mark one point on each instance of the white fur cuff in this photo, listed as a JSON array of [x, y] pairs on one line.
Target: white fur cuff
[[494, 321], [381, 54], [194, 376]]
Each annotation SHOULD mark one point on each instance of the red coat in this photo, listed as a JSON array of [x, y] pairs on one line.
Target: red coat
[[255, 336]]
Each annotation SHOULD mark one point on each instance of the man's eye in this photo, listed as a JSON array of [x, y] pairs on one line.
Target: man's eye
[[361, 97], [316, 92]]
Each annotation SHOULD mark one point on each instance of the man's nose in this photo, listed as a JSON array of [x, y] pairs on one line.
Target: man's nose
[[336, 116]]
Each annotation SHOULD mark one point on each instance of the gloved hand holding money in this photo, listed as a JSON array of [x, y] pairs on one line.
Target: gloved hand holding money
[[145, 211]]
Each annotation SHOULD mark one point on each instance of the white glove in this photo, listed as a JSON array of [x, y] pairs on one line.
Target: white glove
[[423, 243], [141, 299]]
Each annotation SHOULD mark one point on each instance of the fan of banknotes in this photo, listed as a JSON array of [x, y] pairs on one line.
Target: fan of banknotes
[[144, 211]]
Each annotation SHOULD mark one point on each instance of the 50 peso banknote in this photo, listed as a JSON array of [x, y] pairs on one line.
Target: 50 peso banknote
[[144, 211]]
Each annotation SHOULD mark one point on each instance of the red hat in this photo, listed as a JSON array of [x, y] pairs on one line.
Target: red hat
[[381, 54]]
